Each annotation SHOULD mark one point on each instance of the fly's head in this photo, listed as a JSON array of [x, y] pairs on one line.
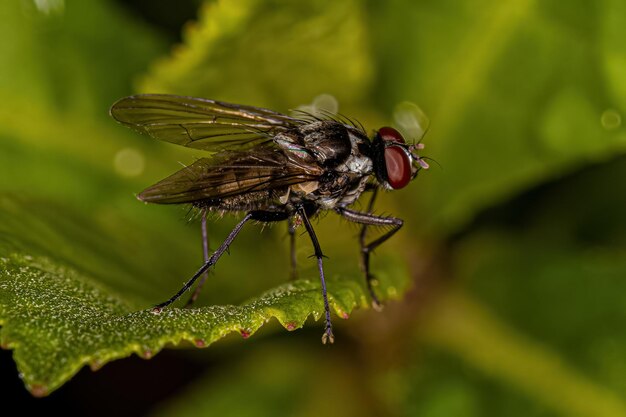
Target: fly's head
[[396, 162]]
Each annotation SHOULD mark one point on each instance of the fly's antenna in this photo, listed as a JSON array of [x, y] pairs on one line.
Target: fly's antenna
[[413, 150], [432, 160]]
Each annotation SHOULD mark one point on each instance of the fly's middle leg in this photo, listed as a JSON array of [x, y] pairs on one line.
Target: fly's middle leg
[[328, 336]]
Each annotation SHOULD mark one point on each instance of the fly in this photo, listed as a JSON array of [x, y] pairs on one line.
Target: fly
[[273, 167]]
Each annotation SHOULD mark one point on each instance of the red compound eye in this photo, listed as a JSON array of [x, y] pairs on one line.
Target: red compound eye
[[398, 167], [389, 134], [397, 162]]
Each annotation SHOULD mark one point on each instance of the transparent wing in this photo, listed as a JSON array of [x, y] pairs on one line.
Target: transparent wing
[[201, 123], [230, 174]]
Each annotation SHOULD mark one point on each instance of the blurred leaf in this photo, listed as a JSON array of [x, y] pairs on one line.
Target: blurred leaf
[[276, 54], [56, 85], [538, 328], [62, 61], [567, 265], [268, 377], [614, 51], [513, 91], [475, 335]]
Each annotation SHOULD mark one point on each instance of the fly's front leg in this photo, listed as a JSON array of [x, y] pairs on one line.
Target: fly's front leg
[[365, 255], [370, 208], [205, 253], [368, 219], [362, 235]]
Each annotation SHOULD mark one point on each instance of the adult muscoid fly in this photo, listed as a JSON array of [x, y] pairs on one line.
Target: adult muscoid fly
[[273, 167]]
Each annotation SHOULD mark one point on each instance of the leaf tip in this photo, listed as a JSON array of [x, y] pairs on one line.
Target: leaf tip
[[291, 325], [95, 365], [38, 390]]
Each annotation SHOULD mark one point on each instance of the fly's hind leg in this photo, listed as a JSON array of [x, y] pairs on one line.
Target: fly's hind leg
[[291, 228], [205, 253], [209, 263]]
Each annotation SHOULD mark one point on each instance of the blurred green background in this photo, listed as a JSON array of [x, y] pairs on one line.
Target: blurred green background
[[515, 241]]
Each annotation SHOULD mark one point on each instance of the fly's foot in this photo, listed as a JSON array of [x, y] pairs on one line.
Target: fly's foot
[[328, 336], [377, 305], [157, 309], [371, 283]]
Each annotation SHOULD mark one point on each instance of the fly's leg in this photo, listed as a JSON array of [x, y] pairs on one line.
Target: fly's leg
[[368, 219], [365, 256], [211, 261], [327, 337], [205, 253], [291, 227]]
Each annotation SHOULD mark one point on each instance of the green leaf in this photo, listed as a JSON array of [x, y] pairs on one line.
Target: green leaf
[[58, 320]]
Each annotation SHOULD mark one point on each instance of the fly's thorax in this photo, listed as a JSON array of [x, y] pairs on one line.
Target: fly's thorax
[[359, 161], [342, 156], [325, 143], [328, 141], [292, 144]]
